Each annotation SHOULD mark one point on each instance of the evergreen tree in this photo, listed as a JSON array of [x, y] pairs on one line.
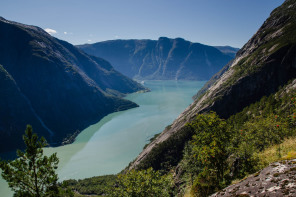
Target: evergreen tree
[[32, 173]]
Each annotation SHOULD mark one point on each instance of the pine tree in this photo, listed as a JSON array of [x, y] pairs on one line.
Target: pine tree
[[32, 173]]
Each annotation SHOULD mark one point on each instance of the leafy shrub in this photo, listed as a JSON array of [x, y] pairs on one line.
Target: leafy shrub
[[205, 184], [144, 183], [91, 186]]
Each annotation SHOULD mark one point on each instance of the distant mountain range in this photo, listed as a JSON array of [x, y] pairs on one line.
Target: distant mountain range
[[228, 50], [53, 86], [163, 59]]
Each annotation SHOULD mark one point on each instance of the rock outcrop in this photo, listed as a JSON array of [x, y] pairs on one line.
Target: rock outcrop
[[266, 62], [162, 59], [278, 179], [53, 86]]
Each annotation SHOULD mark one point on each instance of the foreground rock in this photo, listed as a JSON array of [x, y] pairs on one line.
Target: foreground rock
[[278, 179]]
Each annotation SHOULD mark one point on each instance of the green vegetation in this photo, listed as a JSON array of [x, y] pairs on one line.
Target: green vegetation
[[32, 173], [144, 183], [283, 151], [211, 153], [152, 139], [222, 151], [91, 186], [208, 154], [167, 154], [133, 183]]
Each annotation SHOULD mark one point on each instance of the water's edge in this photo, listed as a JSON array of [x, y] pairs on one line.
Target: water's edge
[[108, 146]]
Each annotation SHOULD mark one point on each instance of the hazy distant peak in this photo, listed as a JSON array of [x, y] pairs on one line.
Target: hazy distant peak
[[165, 58]]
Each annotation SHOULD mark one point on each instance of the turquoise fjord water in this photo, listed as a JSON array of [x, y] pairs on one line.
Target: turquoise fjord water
[[108, 146]]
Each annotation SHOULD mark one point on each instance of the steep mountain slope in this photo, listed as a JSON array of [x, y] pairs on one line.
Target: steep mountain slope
[[161, 59], [265, 63], [53, 85], [14, 105]]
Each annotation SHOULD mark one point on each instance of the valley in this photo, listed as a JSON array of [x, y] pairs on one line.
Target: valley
[[108, 146], [159, 116]]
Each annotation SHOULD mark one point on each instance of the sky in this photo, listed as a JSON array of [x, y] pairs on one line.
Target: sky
[[211, 22]]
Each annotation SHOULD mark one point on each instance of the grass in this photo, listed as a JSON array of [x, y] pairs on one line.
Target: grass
[[188, 192], [235, 181], [287, 151], [284, 151]]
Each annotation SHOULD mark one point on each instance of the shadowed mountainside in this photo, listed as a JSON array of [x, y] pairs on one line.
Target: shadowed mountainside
[[53, 86]]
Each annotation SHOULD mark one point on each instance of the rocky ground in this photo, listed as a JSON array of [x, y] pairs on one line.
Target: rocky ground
[[278, 179]]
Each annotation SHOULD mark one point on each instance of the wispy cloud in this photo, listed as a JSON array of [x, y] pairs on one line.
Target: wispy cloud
[[116, 36], [88, 40], [65, 32], [50, 31]]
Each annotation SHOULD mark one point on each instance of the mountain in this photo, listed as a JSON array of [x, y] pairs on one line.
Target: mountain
[[162, 59], [264, 64], [228, 50], [53, 86]]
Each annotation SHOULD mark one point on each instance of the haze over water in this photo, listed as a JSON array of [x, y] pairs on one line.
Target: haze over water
[[108, 146]]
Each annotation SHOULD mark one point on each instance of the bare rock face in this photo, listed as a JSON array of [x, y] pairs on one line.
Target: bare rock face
[[266, 62], [162, 59], [53, 86], [278, 179]]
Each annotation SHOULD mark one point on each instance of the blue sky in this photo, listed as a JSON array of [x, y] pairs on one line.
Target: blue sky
[[212, 22]]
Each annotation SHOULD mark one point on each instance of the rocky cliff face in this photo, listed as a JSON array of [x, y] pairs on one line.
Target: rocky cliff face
[[52, 85], [266, 62], [163, 58]]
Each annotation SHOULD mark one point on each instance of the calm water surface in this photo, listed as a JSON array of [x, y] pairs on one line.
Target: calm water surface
[[108, 146]]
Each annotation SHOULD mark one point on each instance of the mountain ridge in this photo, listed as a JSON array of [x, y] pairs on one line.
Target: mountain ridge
[[161, 59]]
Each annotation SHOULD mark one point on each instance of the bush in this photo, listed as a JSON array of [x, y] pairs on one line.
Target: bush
[[144, 183]]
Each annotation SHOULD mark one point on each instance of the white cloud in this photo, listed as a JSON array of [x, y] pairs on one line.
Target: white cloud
[[65, 32], [116, 36], [50, 31], [88, 40]]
